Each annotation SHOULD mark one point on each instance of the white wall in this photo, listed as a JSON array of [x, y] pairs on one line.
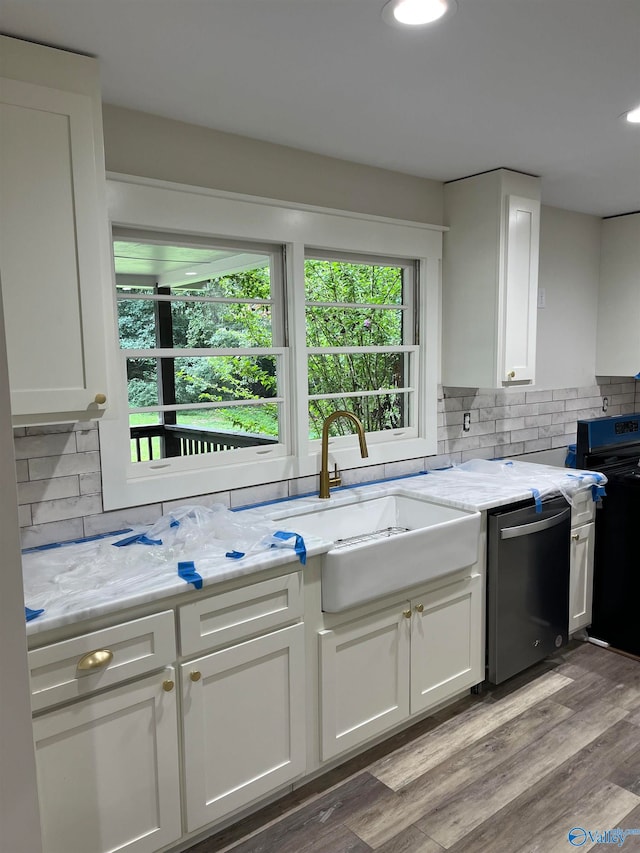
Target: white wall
[[19, 817], [569, 272], [150, 146]]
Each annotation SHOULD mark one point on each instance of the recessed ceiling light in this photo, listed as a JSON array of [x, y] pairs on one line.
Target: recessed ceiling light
[[633, 116], [416, 13]]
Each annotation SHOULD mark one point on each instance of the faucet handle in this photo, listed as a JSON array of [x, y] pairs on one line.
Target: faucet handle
[[335, 480]]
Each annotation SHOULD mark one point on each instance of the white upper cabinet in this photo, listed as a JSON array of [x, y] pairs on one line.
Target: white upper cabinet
[[54, 263], [490, 280], [618, 348]]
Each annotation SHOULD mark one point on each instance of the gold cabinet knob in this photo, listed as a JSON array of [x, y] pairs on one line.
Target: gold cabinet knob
[[511, 374], [100, 399], [575, 537], [419, 608], [195, 675], [406, 614], [97, 659], [167, 685]]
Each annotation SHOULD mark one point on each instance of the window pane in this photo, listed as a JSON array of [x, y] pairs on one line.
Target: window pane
[[339, 281], [200, 379], [189, 433], [378, 412], [332, 373], [331, 327]]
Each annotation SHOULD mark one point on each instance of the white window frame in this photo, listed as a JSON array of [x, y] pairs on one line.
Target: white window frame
[[159, 206]]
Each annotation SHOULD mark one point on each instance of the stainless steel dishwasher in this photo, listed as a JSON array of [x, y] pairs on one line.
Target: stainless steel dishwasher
[[527, 585]]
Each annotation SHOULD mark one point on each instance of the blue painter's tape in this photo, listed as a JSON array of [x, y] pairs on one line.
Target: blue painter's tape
[[537, 499], [597, 493], [234, 555], [299, 547], [187, 572], [637, 376], [31, 614], [140, 538], [175, 523], [80, 541]]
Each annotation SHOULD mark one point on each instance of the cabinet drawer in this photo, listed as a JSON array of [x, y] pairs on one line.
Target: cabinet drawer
[[239, 614], [583, 509], [57, 671]]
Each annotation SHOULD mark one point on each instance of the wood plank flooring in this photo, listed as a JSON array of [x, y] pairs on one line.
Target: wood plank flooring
[[511, 770]]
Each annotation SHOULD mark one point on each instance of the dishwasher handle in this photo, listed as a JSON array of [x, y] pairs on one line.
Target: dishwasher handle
[[534, 526]]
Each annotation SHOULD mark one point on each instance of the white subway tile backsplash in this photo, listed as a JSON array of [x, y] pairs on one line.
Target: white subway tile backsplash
[[259, 494], [33, 446], [24, 516], [22, 470], [57, 531], [87, 440], [90, 484], [58, 467], [120, 519], [63, 508], [47, 490]]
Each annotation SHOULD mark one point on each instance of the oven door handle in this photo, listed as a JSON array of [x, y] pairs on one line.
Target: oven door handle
[[534, 526]]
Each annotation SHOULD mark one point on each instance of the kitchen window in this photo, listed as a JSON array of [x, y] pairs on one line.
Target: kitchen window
[[202, 341], [243, 323]]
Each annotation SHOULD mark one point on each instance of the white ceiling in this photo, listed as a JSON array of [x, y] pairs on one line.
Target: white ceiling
[[532, 85]]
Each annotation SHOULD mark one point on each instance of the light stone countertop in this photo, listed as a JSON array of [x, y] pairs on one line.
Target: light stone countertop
[[92, 579]]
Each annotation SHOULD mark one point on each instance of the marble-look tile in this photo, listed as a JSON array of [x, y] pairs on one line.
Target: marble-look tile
[[433, 463], [57, 531], [550, 408], [18, 432], [537, 420], [22, 470], [63, 508], [121, 518], [480, 453], [48, 490], [537, 444], [401, 469], [565, 393], [34, 446], [563, 440], [61, 466], [355, 476], [25, 519], [304, 486], [258, 494], [50, 429], [538, 396], [586, 403], [524, 434], [90, 484], [87, 440], [214, 499]]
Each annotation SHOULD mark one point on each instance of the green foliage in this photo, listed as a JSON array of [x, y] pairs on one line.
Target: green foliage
[[248, 325]]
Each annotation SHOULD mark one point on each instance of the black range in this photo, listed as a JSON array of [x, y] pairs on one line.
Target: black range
[[612, 446]]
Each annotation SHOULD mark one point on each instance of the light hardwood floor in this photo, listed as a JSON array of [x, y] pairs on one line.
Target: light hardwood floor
[[511, 770]]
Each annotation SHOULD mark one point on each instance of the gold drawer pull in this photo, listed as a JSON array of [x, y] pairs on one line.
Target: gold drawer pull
[[100, 399], [575, 537], [195, 675], [167, 685], [511, 374], [419, 608], [406, 614], [95, 660]]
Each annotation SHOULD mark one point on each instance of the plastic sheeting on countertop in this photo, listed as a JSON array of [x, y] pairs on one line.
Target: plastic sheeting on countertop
[[196, 537], [542, 481]]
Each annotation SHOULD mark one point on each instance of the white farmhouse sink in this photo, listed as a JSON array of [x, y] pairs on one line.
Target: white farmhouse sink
[[386, 543]]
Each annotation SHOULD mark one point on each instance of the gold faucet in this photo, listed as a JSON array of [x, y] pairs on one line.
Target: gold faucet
[[326, 480]]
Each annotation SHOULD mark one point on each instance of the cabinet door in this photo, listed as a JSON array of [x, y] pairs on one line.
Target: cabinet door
[[364, 679], [244, 723], [52, 232], [581, 576], [520, 288], [108, 776], [447, 644]]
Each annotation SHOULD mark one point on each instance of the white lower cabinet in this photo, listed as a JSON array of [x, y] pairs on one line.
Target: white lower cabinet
[[377, 671], [107, 769], [581, 576], [244, 723]]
